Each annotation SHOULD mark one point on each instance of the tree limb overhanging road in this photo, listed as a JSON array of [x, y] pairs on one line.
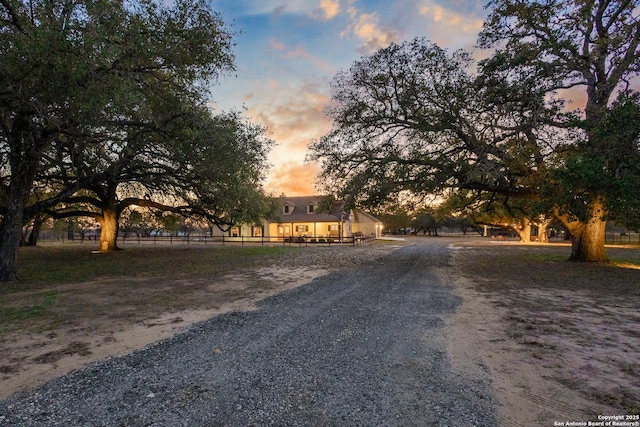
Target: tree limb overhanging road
[[362, 346]]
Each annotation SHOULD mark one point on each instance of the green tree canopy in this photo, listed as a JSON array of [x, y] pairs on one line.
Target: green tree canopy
[[414, 117], [590, 46], [611, 170], [73, 69], [195, 165]]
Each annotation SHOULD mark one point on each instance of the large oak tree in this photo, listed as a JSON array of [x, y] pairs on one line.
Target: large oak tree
[[195, 165], [414, 117], [70, 65], [591, 47]]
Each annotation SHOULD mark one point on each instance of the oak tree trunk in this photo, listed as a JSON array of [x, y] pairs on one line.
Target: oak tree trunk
[[524, 231], [34, 235], [24, 159], [587, 238], [10, 237], [108, 230], [543, 231], [71, 235]]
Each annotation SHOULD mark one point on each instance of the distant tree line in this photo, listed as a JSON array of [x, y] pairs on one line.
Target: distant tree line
[[426, 221]]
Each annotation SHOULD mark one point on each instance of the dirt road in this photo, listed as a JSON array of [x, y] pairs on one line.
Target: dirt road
[[361, 346]]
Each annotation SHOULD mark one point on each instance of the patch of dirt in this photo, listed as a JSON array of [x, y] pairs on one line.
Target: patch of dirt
[[560, 340], [70, 325], [79, 348]]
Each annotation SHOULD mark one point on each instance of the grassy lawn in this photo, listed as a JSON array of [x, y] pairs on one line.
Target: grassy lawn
[[71, 263], [62, 284]]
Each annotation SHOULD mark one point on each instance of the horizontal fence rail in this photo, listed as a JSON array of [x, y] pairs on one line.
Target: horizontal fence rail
[[611, 238], [249, 241], [622, 238], [219, 240]]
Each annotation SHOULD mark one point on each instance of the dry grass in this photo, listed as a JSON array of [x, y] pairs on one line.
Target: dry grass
[[578, 321], [71, 306], [63, 285]]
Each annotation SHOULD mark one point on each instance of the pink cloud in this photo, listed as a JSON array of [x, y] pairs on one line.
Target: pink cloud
[[292, 179], [328, 10], [276, 44], [367, 27]]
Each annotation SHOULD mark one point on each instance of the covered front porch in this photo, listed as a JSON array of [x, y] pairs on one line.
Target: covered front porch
[[333, 229]]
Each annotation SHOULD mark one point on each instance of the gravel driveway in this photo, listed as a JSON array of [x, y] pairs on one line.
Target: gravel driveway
[[362, 346]]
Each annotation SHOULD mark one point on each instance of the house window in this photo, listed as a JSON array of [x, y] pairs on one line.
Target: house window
[[310, 208], [302, 228], [235, 232], [287, 209], [333, 227], [257, 231]]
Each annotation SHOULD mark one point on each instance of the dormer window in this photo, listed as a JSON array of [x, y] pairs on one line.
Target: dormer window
[[311, 208], [287, 209]]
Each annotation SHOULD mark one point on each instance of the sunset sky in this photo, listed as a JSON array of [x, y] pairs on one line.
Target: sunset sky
[[289, 50]]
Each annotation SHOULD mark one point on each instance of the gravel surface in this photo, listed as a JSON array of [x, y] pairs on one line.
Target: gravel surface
[[362, 346]]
